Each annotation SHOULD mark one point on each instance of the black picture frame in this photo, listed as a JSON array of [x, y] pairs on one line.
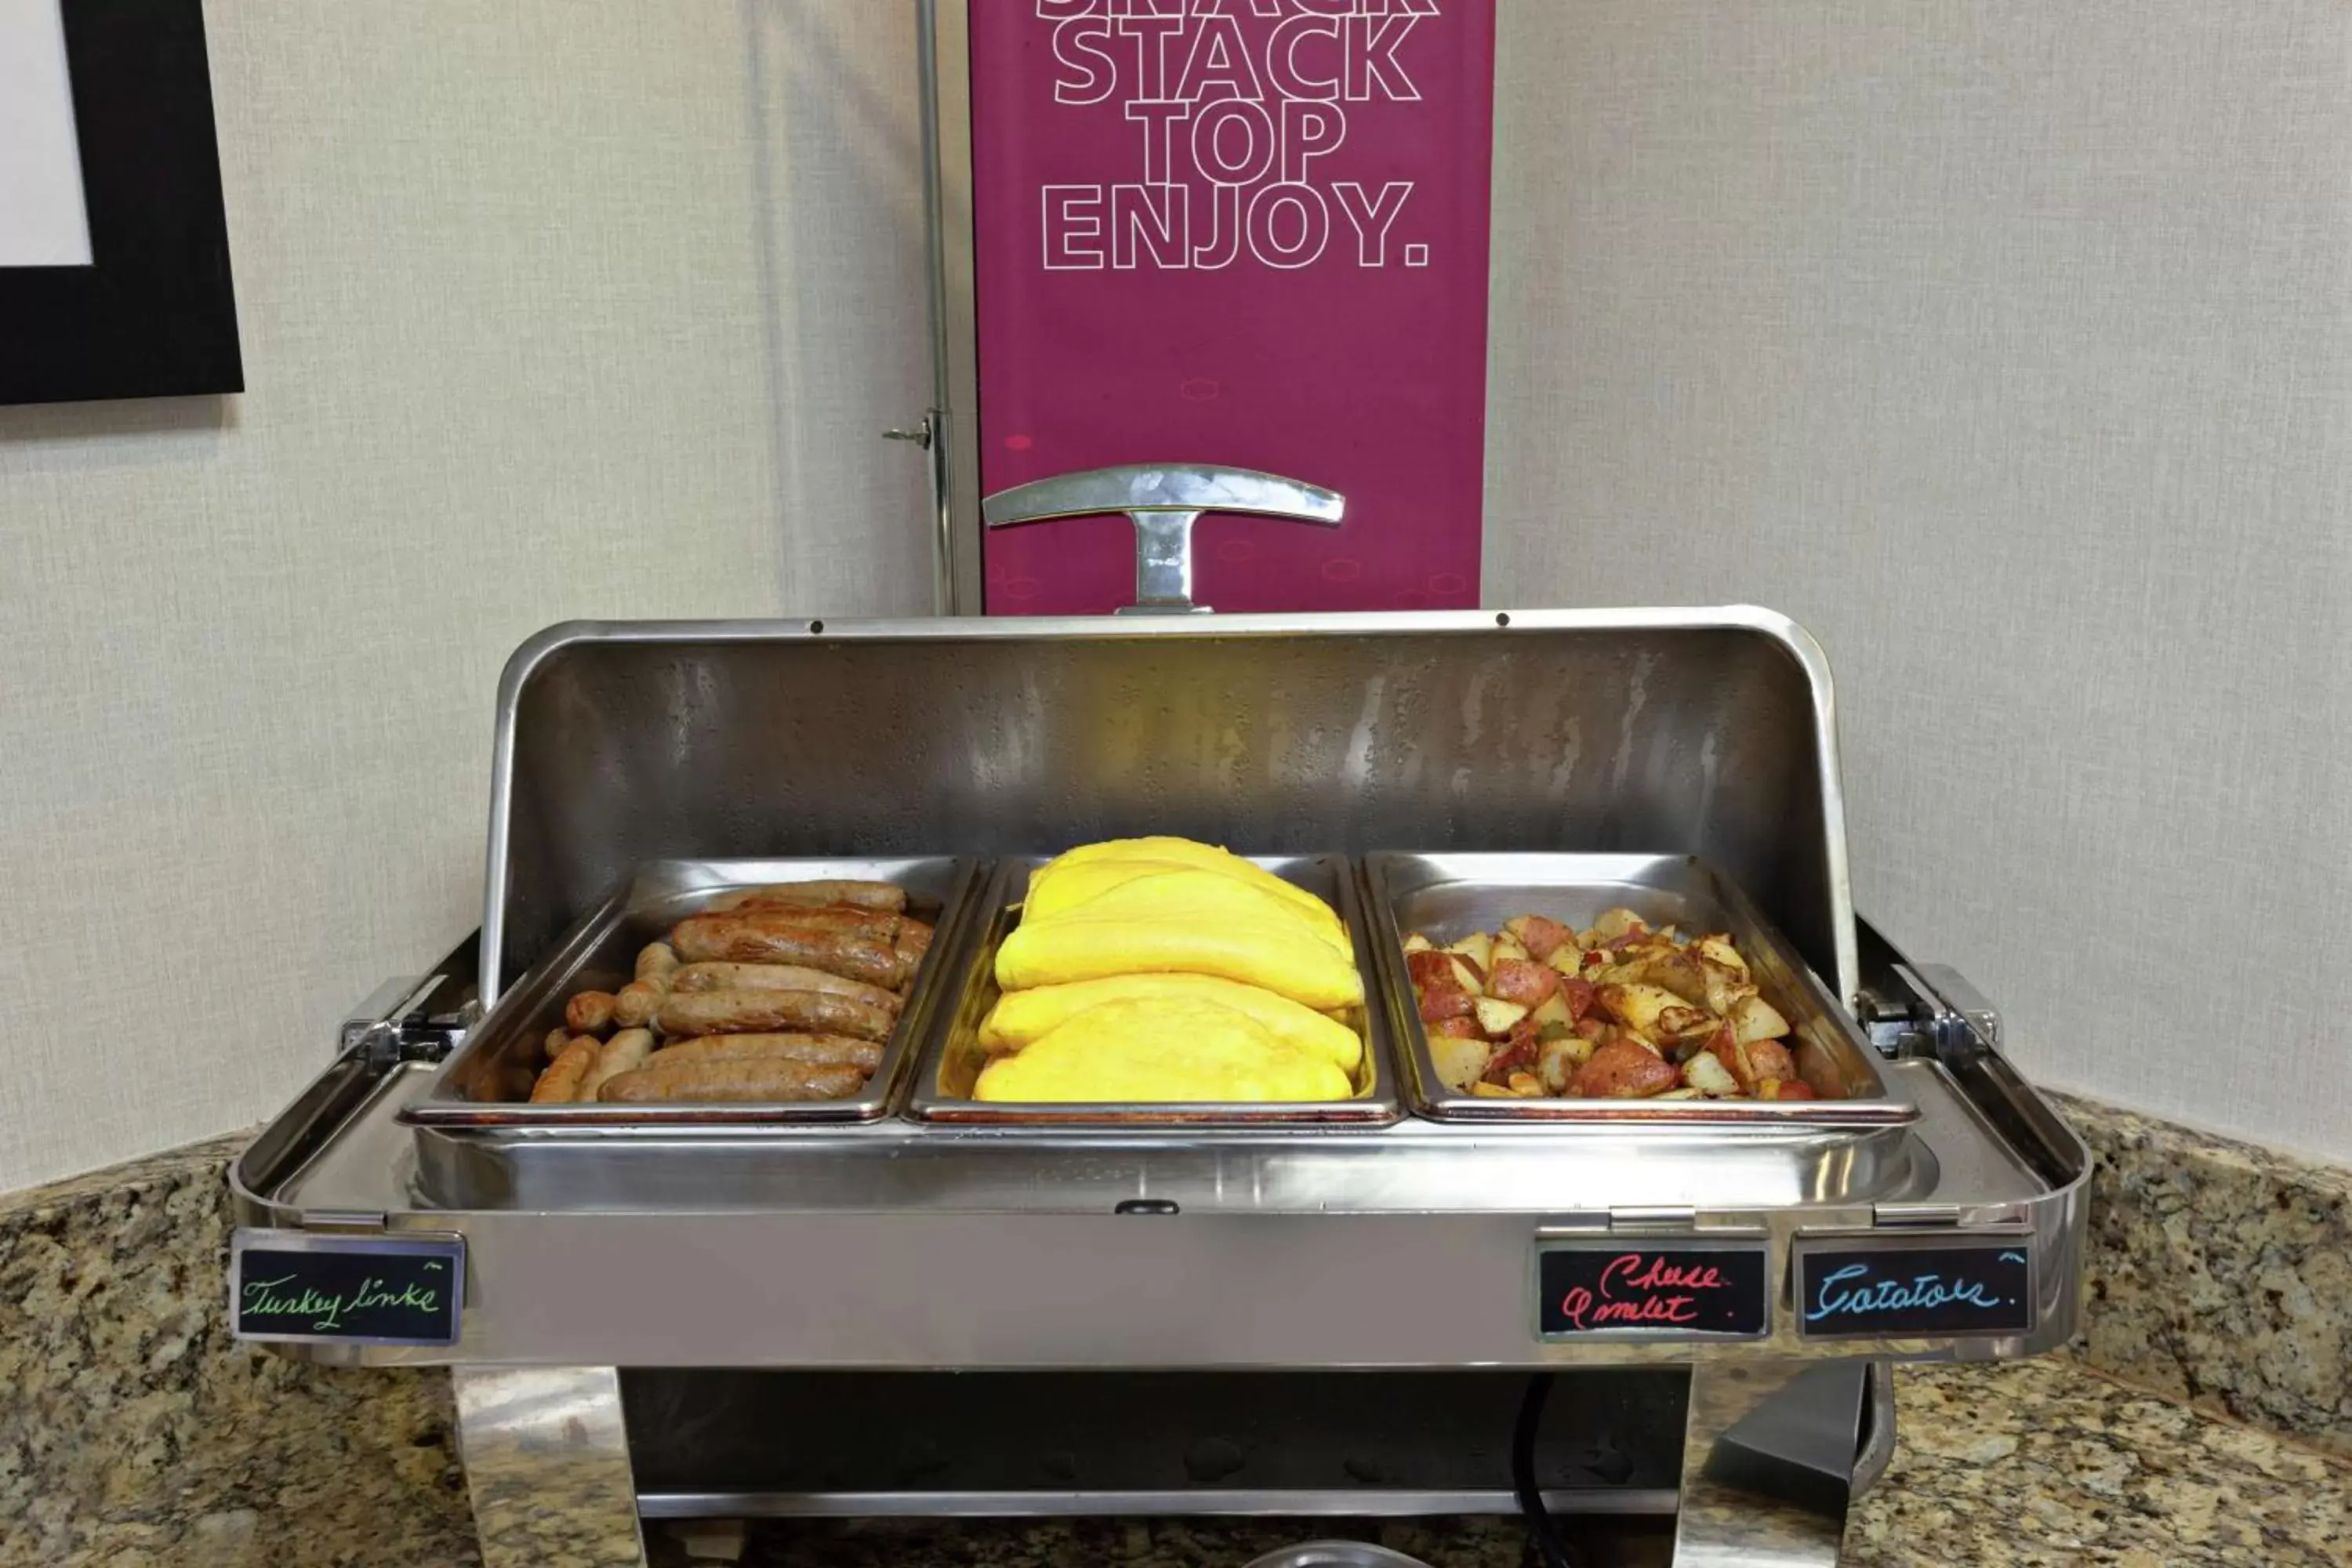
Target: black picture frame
[[155, 314]]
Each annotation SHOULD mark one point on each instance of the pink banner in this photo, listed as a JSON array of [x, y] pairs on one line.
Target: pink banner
[[1244, 232]]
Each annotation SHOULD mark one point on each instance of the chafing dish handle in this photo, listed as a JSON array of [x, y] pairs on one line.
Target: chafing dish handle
[[1163, 500]]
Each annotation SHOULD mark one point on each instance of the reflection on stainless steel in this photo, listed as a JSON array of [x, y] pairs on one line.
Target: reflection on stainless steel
[[547, 1465], [1449, 896], [944, 1080], [487, 1084], [1777, 1500], [1165, 500], [1337, 1554], [1709, 732], [1877, 1428]]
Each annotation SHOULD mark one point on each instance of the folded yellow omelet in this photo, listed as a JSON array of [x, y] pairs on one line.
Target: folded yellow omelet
[[1161, 1050], [1021, 1017], [1077, 875], [1180, 923]]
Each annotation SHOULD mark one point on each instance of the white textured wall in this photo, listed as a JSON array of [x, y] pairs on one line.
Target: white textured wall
[[550, 308], [2006, 346], [2003, 345]]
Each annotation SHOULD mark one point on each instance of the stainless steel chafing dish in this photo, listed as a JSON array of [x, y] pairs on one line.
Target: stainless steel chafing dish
[[656, 1318]]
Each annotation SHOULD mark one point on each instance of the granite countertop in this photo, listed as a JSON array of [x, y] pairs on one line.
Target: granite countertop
[[134, 1435]]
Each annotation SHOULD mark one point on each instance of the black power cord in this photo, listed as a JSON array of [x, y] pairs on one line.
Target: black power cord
[[1551, 1545]]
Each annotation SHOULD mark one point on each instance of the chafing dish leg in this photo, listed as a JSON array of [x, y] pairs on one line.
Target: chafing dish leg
[[547, 1464], [1769, 1456]]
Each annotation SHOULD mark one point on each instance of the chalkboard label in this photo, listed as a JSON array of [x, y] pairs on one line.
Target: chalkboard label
[[1907, 1289], [359, 1289], [1586, 1290]]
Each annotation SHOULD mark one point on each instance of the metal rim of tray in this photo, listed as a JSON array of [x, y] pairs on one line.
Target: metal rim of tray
[[1378, 1102], [1439, 1102], [441, 1109]]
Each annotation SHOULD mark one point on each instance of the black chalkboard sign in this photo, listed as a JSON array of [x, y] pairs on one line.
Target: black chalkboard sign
[[358, 1290], [1652, 1290], [1901, 1287]]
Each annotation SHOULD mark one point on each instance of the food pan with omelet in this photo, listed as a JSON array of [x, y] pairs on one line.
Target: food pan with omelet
[[1608, 987], [724, 991], [1160, 979]]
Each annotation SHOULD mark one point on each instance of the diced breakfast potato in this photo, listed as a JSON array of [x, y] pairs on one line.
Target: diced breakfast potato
[[1638, 1007], [1754, 1018], [1556, 1061], [1677, 970], [1428, 967], [1624, 1070], [1545, 939], [1496, 1016], [1619, 1011], [1724, 985], [1710, 1076], [1718, 950], [1440, 1003], [1676, 1022], [1614, 923], [1477, 947], [1770, 1060], [1521, 980], [1459, 1062]]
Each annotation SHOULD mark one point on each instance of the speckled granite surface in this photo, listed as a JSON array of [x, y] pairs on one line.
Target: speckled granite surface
[[2042, 1463], [2221, 1274], [132, 1432]]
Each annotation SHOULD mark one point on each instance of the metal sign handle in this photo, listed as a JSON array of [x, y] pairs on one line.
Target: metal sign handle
[[1163, 500]]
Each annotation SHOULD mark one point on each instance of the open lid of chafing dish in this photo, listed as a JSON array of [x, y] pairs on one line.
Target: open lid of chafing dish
[[1659, 731]]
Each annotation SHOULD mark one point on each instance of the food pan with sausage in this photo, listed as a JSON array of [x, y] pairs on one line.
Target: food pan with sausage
[[1610, 987], [731, 991]]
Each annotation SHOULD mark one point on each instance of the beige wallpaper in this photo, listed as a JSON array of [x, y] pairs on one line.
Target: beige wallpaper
[[550, 308], [2006, 346]]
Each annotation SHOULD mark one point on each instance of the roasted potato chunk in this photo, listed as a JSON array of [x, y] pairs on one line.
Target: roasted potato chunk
[[1639, 1007], [1754, 1018], [1622, 1069], [1440, 1003], [1618, 1010], [1523, 981], [1459, 1061]]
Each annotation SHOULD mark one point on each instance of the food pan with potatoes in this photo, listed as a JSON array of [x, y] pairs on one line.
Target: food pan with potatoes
[[1608, 987], [726, 991], [1155, 980]]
